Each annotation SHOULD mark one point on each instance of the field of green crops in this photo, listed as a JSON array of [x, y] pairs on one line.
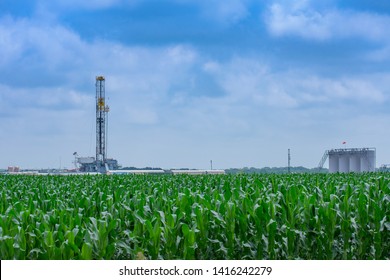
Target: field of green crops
[[297, 216]]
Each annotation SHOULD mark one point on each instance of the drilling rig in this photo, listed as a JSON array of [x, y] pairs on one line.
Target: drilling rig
[[100, 163]]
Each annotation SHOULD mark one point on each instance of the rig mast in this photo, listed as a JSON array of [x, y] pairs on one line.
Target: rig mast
[[101, 124]]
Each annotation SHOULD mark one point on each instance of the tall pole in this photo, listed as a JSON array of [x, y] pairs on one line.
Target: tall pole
[[289, 161]]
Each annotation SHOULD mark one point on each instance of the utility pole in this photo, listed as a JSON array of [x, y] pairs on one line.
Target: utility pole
[[289, 161]]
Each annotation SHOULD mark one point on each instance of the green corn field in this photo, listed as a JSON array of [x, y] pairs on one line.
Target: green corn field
[[207, 217]]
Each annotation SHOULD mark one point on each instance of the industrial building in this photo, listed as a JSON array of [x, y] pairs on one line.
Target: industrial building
[[384, 168], [350, 160], [13, 169]]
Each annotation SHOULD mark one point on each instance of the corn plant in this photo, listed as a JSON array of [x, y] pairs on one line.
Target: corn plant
[[294, 216]]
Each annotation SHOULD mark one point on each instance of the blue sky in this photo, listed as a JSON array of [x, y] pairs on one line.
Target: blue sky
[[238, 81]]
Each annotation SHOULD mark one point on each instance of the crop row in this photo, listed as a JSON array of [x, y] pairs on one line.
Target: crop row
[[297, 216]]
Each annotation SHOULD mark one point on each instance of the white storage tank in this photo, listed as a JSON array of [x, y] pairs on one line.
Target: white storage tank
[[372, 160], [368, 161], [333, 163], [355, 163], [344, 163], [352, 160]]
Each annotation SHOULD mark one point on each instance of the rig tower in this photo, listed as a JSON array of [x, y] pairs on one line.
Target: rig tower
[[101, 124], [100, 163]]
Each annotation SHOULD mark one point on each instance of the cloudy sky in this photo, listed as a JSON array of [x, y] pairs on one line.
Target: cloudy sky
[[188, 81]]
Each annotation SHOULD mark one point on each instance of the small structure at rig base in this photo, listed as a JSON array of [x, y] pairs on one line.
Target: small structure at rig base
[[88, 164], [350, 160], [100, 163]]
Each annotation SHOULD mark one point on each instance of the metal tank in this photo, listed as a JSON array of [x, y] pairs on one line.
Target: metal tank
[[355, 163], [344, 162], [333, 163], [368, 160]]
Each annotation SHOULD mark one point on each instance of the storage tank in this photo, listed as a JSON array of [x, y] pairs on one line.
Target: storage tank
[[368, 161], [355, 163], [372, 160], [344, 162], [333, 163]]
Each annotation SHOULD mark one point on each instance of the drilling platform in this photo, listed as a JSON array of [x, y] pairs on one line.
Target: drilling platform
[[100, 163]]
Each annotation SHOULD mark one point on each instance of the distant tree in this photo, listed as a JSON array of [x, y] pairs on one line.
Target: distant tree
[[274, 170]]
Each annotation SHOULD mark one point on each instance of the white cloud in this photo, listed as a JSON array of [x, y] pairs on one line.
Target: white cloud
[[10, 45], [331, 23], [308, 25], [247, 81], [51, 45], [180, 54], [16, 100], [364, 89], [278, 97]]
